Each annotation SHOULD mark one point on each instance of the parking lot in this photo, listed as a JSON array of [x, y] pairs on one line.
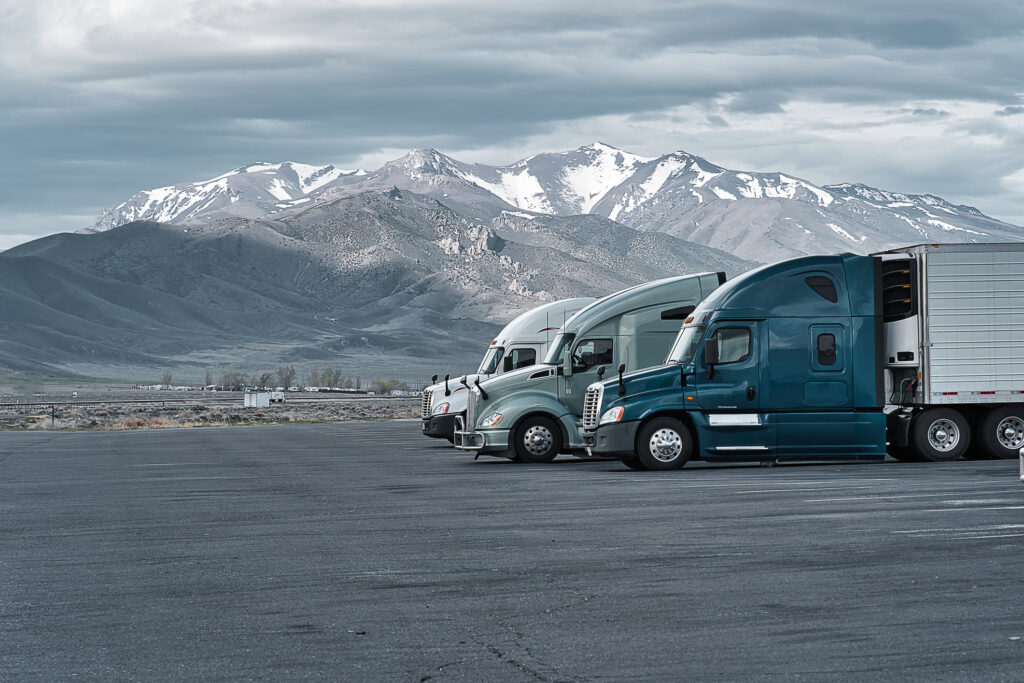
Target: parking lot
[[364, 551]]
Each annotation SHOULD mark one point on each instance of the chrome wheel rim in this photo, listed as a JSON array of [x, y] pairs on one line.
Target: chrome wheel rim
[[943, 435], [1010, 432], [537, 440], [665, 445]]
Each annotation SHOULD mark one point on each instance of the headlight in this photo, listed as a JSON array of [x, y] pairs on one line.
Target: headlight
[[612, 415], [491, 420], [440, 409]]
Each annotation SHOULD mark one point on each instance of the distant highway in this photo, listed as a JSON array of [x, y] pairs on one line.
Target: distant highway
[[365, 552]]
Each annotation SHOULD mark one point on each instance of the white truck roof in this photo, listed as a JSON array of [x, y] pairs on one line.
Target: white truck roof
[[541, 324]]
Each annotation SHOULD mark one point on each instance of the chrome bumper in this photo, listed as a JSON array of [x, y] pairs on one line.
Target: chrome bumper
[[467, 440]]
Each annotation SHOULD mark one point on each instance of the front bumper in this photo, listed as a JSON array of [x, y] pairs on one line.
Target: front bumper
[[616, 440], [482, 441], [440, 426]]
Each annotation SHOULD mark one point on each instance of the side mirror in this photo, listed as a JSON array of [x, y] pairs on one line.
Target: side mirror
[[622, 385], [711, 355], [483, 394], [447, 391], [433, 379], [506, 364], [600, 371]]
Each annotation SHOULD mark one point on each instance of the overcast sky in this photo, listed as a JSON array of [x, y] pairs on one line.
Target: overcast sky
[[102, 98]]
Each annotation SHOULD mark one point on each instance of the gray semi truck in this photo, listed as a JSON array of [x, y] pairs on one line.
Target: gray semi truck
[[532, 415]]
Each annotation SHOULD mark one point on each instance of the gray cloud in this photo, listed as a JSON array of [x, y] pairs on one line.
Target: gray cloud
[[99, 102]]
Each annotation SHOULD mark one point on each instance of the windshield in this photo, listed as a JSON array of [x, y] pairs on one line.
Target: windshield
[[491, 359], [686, 344], [557, 352]]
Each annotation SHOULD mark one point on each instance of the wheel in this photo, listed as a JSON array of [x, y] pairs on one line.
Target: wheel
[[1001, 434], [633, 463], [903, 453], [538, 439], [664, 443], [940, 435]]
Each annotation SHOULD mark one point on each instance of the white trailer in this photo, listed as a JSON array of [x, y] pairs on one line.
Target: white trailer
[[953, 340], [523, 342]]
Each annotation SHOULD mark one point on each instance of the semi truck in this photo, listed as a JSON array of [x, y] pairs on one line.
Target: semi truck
[[918, 352], [521, 343], [532, 415]]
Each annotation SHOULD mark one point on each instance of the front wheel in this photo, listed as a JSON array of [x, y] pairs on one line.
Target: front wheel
[[538, 439], [940, 435], [1002, 432], [664, 443]]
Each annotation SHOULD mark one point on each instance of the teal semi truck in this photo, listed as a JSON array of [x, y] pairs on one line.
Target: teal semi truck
[[918, 351], [532, 415]]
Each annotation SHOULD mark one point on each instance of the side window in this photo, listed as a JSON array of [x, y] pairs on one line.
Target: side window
[[591, 352], [823, 287], [520, 358], [827, 349], [733, 344]]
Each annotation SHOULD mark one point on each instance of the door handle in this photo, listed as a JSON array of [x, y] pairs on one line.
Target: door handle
[[751, 392]]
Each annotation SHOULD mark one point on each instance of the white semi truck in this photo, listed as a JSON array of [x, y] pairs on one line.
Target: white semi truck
[[522, 343]]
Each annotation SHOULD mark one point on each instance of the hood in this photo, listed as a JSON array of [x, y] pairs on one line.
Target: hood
[[518, 378], [639, 381]]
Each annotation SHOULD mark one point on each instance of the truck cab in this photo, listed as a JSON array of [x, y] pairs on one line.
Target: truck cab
[[781, 362], [522, 343], [531, 415]]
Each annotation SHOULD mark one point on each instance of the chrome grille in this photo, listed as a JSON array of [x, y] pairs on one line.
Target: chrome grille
[[471, 410], [592, 406], [428, 403]]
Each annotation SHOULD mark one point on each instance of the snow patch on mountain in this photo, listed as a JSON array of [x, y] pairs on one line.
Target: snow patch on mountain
[[516, 187], [607, 168]]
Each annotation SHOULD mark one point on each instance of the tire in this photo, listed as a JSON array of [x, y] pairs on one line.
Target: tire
[[940, 435], [538, 439], [664, 443], [633, 463], [1001, 433]]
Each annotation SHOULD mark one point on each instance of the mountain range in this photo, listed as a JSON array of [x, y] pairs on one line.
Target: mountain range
[[757, 216], [409, 269]]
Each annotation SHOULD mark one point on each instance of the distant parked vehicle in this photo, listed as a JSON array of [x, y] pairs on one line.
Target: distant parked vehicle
[[277, 396]]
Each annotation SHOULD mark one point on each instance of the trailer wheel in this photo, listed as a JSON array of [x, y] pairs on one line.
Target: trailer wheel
[[538, 439], [1002, 432], [633, 463], [664, 443], [940, 435]]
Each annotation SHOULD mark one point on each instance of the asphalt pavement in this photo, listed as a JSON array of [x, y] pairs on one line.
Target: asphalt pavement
[[365, 552]]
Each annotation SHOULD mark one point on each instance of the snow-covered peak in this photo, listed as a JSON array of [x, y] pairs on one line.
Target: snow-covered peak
[[424, 161]]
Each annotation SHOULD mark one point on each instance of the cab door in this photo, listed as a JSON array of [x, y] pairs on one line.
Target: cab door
[[588, 354], [729, 393], [731, 384]]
